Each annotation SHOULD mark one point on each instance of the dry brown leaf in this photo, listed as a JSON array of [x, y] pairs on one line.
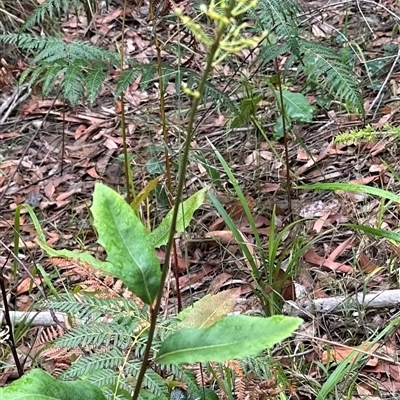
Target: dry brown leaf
[[80, 131], [223, 237], [191, 281], [312, 257], [366, 264], [319, 223], [339, 353], [340, 249], [218, 282], [26, 284], [93, 173]]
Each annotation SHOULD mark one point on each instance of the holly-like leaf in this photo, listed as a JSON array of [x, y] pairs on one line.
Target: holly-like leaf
[[39, 385], [159, 236], [234, 337], [130, 254]]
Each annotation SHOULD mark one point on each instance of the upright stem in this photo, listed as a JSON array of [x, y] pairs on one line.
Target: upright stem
[[285, 142], [123, 120], [179, 192]]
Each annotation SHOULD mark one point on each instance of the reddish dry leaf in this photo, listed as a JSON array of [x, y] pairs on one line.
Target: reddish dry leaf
[[382, 146], [65, 195], [312, 257], [105, 20], [391, 386], [366, 264], [54, 238], [217, 225], [93, 173], [340, 249], [27, 244], [380, 368], [319, 292], [49, 189], [218, 282], [40, 106], [385, 118], [302, 155], [118, 107], [319, 223], [9, 135], [380, 168], [365, 392], [271, 187], [111, 144], [26, 284], [287, 290], [236, 211], [80, 131], [223, 237], [363, 181], [183, 262], [187, 282], [219, 121], [310, 163], [227, 237], [339, 353], [24, 303]]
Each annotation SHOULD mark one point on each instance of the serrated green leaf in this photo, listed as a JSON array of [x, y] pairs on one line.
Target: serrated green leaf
[[278, 127], [231, 338], [248, 108], [63, 253], [130, 254], [159, 236], [297, 106], [39, 385]]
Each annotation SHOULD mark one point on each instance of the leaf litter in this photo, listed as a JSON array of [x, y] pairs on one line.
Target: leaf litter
[[85, 146]]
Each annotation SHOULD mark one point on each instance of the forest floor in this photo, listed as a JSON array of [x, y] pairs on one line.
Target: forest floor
[[51, 156]]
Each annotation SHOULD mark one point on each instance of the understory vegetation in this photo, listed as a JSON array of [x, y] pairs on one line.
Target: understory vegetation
[[200, 200]]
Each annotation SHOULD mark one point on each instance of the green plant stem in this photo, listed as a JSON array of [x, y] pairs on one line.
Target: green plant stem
[[127, 162], [179, 192], [166, 153], [285, 142]]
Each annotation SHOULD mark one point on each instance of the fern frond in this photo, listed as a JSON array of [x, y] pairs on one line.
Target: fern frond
[[89, 364], [50, 77], [272, 51], [53, 8], [325, 66], [126, 78], [95, 77], [152, 381], [49, 8], [103, 377], [99, 334], [156, 384], [73, 84], [90, 308], [79, 50], [186, 377], [280, 18]]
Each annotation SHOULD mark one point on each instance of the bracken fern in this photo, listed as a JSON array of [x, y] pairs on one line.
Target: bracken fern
[[80, 69], [52, 9], [112, 333], [318, 62]]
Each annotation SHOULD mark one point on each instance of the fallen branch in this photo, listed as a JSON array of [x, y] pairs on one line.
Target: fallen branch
[[39, 318], [338, 304]]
